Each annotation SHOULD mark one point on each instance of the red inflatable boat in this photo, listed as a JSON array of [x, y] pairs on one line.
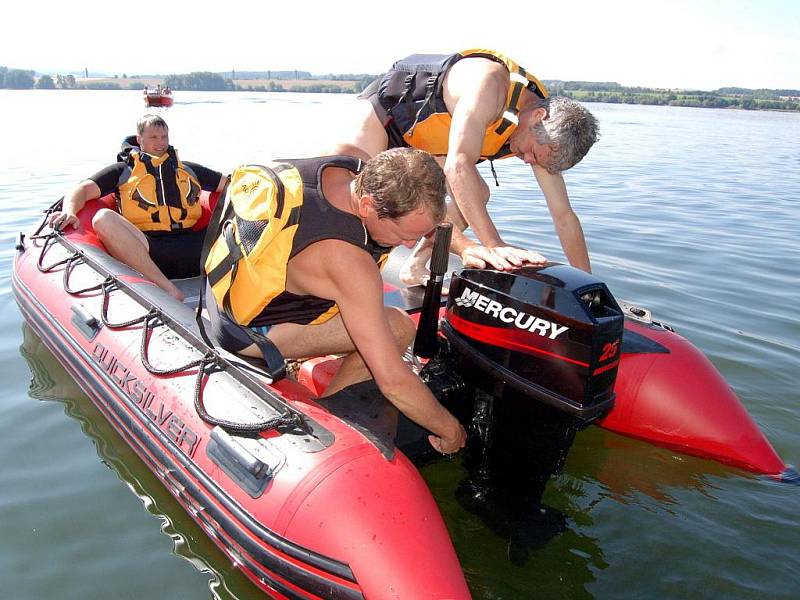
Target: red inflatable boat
[[314, 501], [311, 507]]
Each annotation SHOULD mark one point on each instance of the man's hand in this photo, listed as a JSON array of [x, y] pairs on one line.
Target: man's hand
[[502, 258], [518, 256], [62, 220], [450, 444]]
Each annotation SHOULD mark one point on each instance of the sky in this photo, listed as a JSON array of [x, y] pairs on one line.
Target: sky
[[701, 44]]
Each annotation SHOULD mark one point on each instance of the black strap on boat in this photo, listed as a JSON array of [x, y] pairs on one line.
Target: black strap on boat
[[54, 207], [107, 289], [76, 259], [289, 420], [49, 240], [205, 365]]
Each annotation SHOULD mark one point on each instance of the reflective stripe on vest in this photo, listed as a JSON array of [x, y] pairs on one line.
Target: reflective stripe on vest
[[419, 110], [159, 193]]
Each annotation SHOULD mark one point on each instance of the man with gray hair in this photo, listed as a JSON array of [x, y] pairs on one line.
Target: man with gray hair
[[464, 108]]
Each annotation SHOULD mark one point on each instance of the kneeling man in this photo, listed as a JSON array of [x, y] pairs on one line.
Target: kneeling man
[[308, 276]]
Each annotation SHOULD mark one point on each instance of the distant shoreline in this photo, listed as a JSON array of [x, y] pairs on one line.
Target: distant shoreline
[[787, 100]]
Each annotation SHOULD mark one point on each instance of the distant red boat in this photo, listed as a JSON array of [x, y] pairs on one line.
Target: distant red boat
[[159, 97]]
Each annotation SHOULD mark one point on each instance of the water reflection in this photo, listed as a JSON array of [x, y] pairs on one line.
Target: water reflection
[[526, 530], [510, 553], [633, 472], [51, 382]]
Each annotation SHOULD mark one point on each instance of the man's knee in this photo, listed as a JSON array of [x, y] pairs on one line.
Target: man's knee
[[109, 224], [403, 328], [100, 218], [106, 222]]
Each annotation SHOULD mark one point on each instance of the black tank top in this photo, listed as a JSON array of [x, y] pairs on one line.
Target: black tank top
[[319, 220]]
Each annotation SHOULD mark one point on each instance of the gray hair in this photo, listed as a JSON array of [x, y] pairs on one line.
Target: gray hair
[[150, 121], [570, 129]]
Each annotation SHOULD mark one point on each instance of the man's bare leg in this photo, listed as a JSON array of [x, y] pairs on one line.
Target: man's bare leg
[[129, 245], [304, 341], [354, 370]]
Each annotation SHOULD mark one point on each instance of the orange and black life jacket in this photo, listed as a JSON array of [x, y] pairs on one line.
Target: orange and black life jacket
[[410, 100], [158, 193], [271, 213]]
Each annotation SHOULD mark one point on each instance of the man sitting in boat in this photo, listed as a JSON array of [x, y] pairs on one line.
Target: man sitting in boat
[[157, 203], [472, 106], [307, 275]]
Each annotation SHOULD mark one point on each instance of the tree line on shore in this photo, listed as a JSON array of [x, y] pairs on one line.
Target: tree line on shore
[[205, 81], [302, 81], [727, 97], [21, 79]]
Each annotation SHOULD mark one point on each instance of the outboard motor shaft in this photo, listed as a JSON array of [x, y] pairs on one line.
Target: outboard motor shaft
[[426, 343]]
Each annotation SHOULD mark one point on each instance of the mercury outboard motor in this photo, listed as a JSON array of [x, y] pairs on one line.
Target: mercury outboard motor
[[552, 334], [525, 359]]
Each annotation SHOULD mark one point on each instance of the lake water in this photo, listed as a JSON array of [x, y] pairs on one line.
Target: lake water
[[692, 213]]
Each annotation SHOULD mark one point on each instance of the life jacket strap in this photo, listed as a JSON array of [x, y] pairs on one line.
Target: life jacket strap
[[430, 86], [407, 97], [494, 173], [229, 262]]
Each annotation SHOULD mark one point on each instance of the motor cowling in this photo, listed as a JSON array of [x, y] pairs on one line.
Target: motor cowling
[[551, 333]]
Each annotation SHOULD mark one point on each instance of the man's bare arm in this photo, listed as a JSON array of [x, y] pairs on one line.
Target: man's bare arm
[[476, 104], [479, 100], [568, 226], [73, 202], [349, 277]]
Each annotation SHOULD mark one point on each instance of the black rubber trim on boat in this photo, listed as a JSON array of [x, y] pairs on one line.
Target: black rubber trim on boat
[[133, 430], [97, 259], [636, 343]]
